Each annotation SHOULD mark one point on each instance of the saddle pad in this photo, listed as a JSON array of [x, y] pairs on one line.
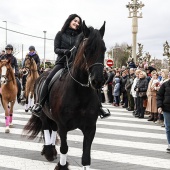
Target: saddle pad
[[55, 77]]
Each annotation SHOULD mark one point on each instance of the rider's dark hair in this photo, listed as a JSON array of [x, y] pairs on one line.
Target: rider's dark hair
[[67, 23]]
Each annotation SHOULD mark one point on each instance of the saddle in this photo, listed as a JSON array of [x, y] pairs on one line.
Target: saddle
[[55, 77]]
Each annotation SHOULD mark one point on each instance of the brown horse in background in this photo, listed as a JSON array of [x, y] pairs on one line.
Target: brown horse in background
[[8, 91], [31, 65]]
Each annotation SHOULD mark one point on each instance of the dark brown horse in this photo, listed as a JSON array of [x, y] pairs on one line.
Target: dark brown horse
[[8, 91], [31, 65], [73, 101]]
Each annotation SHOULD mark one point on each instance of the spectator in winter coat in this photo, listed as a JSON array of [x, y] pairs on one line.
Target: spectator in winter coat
[[128, 85], [141, 88], [109, 84], [131, 63], [123, 90], [133, 92], [164, 74], [151, 95], [116, 92], [163, 105]]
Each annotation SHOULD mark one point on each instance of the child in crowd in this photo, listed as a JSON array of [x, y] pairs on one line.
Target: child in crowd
[[116, 91]]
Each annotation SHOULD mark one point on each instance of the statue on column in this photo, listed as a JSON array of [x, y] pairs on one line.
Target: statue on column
[[166, 49]]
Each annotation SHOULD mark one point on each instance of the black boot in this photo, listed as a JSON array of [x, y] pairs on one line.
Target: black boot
[[104, 114], [152, 117], [19, 90], [36, 109], [155, 117]]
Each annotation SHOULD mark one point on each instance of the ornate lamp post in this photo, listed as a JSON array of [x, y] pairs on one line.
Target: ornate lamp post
[[134, 14]]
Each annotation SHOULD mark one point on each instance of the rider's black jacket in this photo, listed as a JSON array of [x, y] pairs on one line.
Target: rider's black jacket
[[13, 62], [63, 42]]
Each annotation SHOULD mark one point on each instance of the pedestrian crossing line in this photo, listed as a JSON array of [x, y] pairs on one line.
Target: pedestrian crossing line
[[107, 131], [120, 124], [95, 154], [79, 138], [109, 118], [101, 122], [130, 133], [28, 164]]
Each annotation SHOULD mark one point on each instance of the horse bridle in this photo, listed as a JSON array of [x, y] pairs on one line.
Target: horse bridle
[[31, 62], [88, 68], [5, 76]]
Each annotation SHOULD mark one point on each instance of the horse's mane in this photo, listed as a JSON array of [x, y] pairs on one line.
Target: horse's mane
[[89, 47], [12, 73]]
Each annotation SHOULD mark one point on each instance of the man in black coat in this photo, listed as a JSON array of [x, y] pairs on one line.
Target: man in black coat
[[109, 83], [163, 105]]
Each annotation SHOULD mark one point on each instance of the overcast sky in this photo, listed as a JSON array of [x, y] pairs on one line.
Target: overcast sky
[[35, 16]]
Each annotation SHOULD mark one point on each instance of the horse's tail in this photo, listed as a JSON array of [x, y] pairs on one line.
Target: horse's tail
[[33, 127]]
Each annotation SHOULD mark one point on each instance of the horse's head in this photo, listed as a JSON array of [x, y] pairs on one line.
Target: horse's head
[[4, 67], [29, 63], [92, 48]]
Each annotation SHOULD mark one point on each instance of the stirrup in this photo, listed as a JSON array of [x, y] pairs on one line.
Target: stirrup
[[105, 114]]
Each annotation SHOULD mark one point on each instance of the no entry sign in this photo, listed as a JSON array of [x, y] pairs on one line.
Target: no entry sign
[[110, 63]]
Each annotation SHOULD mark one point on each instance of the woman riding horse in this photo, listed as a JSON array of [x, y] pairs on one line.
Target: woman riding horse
[[73, 101], [8, 91], [32, 76], [14, 64], [32, 54], [63, 43]]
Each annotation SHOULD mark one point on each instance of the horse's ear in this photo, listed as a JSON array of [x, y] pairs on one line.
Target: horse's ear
[[102, 29], [86, 30]]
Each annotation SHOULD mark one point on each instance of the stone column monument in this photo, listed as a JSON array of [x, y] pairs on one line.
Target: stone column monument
[[134, 14]]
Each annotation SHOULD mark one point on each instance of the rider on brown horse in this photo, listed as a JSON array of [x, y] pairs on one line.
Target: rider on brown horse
[[64, 41], [32, 54], [14, 64]]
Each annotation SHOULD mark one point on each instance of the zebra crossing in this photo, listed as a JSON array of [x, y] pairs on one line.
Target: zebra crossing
[[121, 142]]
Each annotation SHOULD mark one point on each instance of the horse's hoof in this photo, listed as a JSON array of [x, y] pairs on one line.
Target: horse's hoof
[[11, 125], [49, 152], [54, 152], [26, 110], [60, 167], [7, 129]]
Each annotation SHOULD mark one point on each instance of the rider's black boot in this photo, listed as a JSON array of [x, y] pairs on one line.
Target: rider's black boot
[[36, 109], [104, 114], [19, 90]]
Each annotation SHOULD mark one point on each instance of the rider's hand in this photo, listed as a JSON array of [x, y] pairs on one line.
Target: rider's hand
[[67, 52], [159, 110]]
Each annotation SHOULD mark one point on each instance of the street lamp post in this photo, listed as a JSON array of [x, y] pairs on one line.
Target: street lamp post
[[134, 14], [44, 46], [6, 31]]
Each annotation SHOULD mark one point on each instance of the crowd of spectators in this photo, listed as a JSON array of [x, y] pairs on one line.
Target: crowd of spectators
[[137, 90]]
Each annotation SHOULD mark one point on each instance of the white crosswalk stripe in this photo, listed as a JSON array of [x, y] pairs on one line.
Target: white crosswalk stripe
[[120, 140]]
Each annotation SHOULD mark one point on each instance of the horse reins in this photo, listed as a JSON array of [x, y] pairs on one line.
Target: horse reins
[[88, 68]]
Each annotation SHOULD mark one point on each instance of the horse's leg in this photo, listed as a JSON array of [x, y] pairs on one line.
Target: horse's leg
[[5, 105], [63, 164], [11, 114], [26, 102], [49, 150], [89, 133], [30, 99]]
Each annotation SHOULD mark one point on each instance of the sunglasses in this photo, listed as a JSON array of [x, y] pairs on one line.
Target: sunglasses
[[8, 49]]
